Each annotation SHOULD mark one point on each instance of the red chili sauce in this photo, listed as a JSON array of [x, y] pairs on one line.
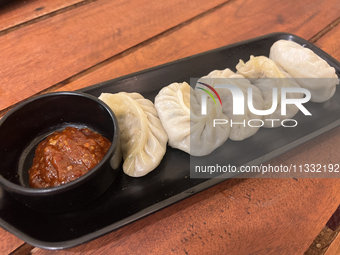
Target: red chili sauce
[[66, 155]]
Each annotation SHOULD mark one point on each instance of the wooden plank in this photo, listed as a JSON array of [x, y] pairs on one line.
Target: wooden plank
[[18, 12], [8, 242], [45, 53], [216, 29]]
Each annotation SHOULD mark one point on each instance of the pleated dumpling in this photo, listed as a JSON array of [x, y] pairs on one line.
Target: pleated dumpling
[[143, 139], [304, 65], [264, 74], [240, 129], [187, 129]]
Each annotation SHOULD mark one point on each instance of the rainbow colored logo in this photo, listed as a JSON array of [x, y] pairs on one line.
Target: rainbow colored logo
[[209, 93]]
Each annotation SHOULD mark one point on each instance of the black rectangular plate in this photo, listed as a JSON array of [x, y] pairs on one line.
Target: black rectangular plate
[[129, 199]]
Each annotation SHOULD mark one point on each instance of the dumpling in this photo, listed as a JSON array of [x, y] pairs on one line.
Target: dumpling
[[302, 62], [242, 128], [143, 139], [189, 130], [265, 75]]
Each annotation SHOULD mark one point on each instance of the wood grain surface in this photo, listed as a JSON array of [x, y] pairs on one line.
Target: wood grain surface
[[48, 52], [8, 242], [19, 12], [106, 39], [233, 22]]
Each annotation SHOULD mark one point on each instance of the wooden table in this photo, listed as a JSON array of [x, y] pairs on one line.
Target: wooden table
[[66, 45]]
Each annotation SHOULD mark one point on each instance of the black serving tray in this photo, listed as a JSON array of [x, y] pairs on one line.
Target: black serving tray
[[129, 199]]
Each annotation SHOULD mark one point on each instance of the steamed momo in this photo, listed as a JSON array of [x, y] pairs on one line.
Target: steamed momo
[[188, 130], [265, 75], [302, 62], [143, 139], [238, 131]]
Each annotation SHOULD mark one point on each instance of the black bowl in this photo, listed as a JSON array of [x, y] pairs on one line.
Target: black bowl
[[25, 126]]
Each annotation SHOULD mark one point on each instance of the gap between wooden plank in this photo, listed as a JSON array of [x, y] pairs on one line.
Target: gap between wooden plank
[[324, 31], [322, 242], [23, 249], [45, 16]]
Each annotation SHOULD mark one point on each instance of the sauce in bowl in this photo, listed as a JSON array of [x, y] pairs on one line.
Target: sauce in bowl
[[65, 156]]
